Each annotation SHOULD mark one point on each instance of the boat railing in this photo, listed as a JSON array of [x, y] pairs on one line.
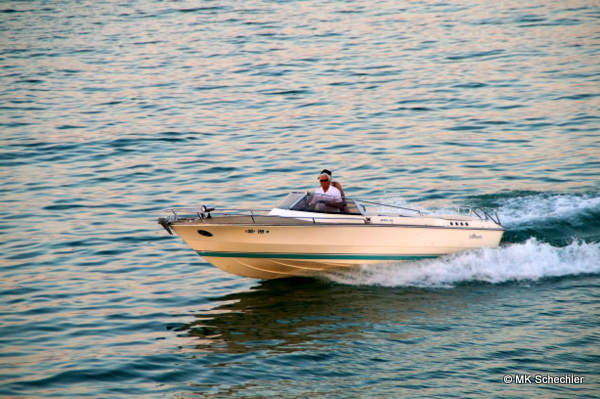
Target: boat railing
[[481, 213], [204, 212]]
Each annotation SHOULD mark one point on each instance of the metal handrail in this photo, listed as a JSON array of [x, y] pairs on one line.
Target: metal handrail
[[487, 213], [251, 213], [480, 212], [201, 214], [495, 218]]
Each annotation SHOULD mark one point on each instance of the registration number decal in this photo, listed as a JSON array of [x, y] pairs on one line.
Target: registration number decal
[[257, 231]]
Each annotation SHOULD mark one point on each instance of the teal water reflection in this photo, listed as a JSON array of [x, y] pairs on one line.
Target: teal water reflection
[[287, 331]]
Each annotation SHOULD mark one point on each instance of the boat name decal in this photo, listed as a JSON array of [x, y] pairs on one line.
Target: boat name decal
[[475, 237]]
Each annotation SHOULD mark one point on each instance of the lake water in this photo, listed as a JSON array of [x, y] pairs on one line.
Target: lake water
[[112, 111]]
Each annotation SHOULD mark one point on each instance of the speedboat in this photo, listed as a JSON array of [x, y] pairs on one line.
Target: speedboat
[[302, 236]]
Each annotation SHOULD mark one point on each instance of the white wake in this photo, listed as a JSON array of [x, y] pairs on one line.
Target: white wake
[[538, 207], [528, 261]]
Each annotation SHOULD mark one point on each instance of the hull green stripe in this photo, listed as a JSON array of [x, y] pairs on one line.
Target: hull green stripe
[[313, 256]]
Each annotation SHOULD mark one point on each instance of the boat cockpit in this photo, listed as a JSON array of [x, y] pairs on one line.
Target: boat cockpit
[[306, 201]]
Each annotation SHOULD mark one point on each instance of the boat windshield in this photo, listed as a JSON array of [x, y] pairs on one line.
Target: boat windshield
[[303, 201], [291, 200]]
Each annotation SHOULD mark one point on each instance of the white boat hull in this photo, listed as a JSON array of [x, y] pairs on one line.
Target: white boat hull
[[269, 251]]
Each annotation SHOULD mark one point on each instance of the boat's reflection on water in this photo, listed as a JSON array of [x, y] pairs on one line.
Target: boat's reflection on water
[[288, 314]]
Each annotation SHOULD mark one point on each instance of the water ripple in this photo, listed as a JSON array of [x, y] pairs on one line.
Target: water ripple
[[115, 111]]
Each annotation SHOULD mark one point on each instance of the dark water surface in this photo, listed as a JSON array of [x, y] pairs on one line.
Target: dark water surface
[[112, 111]]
